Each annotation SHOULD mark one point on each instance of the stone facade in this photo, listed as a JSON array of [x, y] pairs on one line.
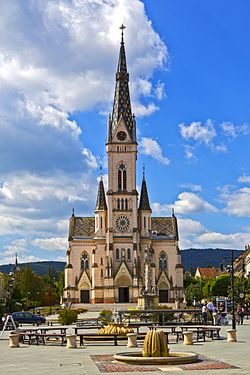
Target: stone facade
[[105, 258]]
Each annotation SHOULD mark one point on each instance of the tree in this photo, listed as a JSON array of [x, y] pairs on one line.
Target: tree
[[220, 285]]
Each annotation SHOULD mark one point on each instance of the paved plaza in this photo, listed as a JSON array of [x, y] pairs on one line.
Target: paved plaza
[[218, 357]]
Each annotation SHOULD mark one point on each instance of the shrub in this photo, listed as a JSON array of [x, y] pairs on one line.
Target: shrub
[[67, 316], [105, 317]]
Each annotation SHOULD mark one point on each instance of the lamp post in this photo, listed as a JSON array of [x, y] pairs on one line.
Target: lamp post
[[232, 286], [232, 289]]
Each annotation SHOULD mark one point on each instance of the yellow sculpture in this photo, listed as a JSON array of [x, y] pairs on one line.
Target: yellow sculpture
[[115, 328], [155, 344]]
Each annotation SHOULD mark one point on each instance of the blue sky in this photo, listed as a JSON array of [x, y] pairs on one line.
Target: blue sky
[[189, 83]]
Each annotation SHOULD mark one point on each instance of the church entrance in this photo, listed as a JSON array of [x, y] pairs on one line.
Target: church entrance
[[84, 297], [163, 295], [123, 295]]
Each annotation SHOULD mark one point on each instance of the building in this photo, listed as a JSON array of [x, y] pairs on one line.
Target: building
[[105, 258], [209, 272], [242, 263]]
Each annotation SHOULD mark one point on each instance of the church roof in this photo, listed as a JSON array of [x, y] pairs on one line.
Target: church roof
[[163, 227], [81, 227], [144, 200], [101, 204], [122, 105]]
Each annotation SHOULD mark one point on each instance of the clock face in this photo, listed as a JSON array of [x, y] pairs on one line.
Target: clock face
[[122, 223], [121, 136]]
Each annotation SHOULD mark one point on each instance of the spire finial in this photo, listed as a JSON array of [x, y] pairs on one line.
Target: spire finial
[[101, 170], [172, 211], [122, 27], [73, 212], [143, 171]]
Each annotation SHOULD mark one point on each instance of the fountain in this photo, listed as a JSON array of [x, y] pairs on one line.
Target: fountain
[[156, 352]]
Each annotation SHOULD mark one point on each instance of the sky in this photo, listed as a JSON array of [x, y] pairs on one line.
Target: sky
[[189, 85]]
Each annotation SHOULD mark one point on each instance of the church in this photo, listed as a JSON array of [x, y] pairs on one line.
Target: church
[[106, 253]]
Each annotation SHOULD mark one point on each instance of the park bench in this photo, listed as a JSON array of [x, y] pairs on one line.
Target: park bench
[[108, 337], [42, 338]]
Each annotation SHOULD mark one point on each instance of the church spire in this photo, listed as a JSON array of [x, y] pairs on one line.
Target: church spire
[[122, 105], [144, 200], [101, 204]]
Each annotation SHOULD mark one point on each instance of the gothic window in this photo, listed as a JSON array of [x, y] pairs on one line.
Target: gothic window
[[118, 204], [122, 201], [126, 204], [144, 221], [85, 261], [101, 262], [122, 177], [119, 180], [124, 180], [163, 261], [101, 273], [117, 254], [128, 254], [101, 222]]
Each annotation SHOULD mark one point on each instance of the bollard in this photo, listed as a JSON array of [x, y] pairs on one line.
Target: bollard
[[188, 338], [132, 340], [71, 341], [14, 340], [231, 335]]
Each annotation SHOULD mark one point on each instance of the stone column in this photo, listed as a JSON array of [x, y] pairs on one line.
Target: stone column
[[231, 335], [132, 340], [14, 340], [188, 338], [71, 341]]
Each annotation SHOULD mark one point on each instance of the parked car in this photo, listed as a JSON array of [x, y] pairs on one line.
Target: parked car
[[23, 317]]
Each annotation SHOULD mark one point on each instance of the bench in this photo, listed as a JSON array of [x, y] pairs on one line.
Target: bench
[[41, 337], [113, 337]]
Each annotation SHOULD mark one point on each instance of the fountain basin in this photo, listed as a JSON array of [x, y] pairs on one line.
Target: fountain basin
[[174, 358]]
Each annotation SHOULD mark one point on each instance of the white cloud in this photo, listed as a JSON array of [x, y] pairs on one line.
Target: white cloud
[[193, 187], [203, 133], [149, 146], [244, 179], [189, 153], [160, 90], [237, 202], [90, 158], [233, 131], [221, 240], [51, 244], [188, 203]]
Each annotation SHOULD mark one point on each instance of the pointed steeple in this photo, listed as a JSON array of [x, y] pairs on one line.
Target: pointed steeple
[[144, 200], [122, 105], [175, 226], [101, 204]]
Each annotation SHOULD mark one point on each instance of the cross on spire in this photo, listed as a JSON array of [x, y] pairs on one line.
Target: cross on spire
[[122, 27]]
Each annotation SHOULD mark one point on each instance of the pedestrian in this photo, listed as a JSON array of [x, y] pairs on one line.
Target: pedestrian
[[240, 313], [204, 314], [215, 316]]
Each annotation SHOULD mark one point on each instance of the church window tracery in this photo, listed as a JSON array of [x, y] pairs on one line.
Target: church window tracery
[[85, 261], [163, 261], [122, 177]]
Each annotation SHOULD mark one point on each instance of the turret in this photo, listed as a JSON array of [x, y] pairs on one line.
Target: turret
[[100, 211], [144, 209]]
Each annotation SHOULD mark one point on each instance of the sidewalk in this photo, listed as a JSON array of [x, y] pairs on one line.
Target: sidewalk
[[55, 360]]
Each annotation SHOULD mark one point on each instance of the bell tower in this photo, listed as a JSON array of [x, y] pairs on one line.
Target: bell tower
[[122, 197]]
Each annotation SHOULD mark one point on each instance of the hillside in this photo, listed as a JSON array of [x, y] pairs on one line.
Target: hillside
[[191, 259]]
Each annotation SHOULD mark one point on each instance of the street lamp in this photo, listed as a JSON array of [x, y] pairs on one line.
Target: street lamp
[[232, 286]]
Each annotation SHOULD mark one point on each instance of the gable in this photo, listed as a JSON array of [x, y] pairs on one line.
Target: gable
[[123, 276]]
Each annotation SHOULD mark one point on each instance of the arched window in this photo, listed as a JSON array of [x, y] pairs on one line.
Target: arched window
[[163, 261], [85, 261], [124, 180], [122, 177], [128, 254], [101, 222], [126, 204], [119, 180], [117, 254], [144, 221], [118, 204], [122, 201], [101, 262]]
